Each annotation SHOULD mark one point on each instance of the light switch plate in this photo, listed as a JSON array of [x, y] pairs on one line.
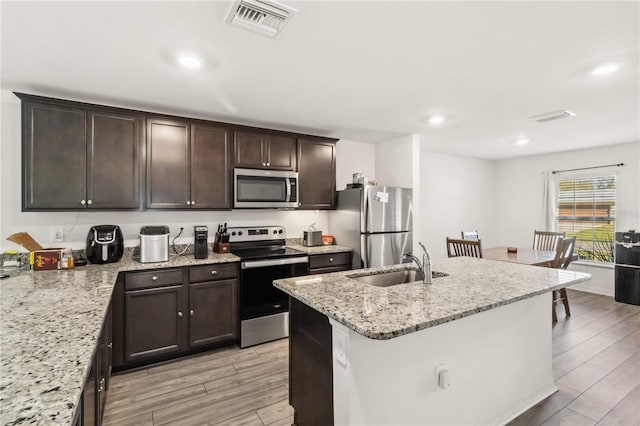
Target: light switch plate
[[340, 347], [57, 235]]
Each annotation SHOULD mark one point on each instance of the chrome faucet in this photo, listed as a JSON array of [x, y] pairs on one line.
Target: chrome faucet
[[424, 266]]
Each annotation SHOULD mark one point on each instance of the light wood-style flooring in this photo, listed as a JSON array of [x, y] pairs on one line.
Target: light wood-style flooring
[[596, 365]]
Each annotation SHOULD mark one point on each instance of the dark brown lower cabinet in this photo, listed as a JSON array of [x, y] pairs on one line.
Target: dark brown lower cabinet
[[213, 316], [310, 366], [164, 314], [154, 322], [94, 393]]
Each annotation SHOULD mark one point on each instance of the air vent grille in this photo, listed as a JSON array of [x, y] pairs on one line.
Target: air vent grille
[[550, 116], [260, 16]]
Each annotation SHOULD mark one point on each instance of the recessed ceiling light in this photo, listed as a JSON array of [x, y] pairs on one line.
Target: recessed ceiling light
[[190, 61], [522, 141], [606, 68], [437, 119]]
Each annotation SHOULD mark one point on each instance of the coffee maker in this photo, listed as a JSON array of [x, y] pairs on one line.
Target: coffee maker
[[200, 248]]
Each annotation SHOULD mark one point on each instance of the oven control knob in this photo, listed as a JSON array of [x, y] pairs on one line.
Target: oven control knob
[[239, 232], [275, 231], [233, 233], [280, 231]]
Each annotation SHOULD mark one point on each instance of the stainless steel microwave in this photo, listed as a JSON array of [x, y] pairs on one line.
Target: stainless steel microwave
[[267, 189]]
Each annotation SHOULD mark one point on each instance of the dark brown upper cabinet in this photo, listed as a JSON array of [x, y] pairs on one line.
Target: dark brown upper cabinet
[[187, 165], [264, 151], [317, 174], [78, 158]]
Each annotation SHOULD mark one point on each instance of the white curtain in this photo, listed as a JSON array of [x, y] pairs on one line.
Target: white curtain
[[549, 200]]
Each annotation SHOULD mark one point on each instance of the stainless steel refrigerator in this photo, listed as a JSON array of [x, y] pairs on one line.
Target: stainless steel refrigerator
[[376, 221]]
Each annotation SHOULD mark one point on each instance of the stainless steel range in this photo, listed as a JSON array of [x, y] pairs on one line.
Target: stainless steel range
[[264, 310]]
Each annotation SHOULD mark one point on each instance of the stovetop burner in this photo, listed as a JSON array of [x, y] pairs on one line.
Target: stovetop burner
[[266, 252], [260, 242]]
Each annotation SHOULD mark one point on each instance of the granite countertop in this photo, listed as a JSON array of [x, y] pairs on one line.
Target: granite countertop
[[473, 286], [320, 249], [49, 324]]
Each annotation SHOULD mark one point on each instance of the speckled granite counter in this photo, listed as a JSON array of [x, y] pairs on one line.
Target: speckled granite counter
[[321, 249], [473, 285], [49, 324]]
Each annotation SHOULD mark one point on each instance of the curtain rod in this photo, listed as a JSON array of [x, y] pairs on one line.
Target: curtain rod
[[587, 168]]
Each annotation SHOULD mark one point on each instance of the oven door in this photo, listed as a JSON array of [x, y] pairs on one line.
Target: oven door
[[258, 296], [265, 189]]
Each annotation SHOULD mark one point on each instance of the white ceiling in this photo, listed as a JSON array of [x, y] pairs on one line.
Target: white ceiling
[[364, 71]]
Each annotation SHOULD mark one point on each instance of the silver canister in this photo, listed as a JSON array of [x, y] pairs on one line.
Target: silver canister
[[312, 238], [154, 244]]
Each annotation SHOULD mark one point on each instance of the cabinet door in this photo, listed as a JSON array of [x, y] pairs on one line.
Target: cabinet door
[[281, 153], [249, 150], [168, 175], [90, 407], [210, 171], [113, 161], [317, 174], [213, 312], [54, 156], [154, 322]]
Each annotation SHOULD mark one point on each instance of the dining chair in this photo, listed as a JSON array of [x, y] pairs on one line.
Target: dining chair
[[546, 240], [468, 248], [564, 256], [470, 235]]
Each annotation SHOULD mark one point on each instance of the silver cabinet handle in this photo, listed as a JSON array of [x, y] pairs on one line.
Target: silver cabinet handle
[[264, 164], [83, 202], [89, 202], [179, 314], [101, 386], [188, 202], [110, 345], [331, 259], [214, 272], [154, 278], [191, 312], [193, 203], [268, 164]]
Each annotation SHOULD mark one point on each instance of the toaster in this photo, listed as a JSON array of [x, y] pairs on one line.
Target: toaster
[[154, 244], [105, 244]]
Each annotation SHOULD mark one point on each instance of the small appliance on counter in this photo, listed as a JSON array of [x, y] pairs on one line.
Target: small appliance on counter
[[105, 244], [200, 247], [312, 236], [221, 241], [627, 267], [154, 244]]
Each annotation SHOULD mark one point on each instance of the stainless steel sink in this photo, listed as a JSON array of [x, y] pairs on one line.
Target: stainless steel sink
[[387, 279]]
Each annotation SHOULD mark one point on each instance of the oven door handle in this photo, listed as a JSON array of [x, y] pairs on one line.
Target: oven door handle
[[250, 264]]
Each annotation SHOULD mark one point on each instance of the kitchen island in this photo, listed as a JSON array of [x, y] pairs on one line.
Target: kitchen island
[[483, 332]]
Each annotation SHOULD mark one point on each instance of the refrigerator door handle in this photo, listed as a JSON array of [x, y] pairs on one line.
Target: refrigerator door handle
[[367, 254]]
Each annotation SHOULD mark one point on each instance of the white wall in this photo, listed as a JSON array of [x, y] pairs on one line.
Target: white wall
[[519, 184], [458, 193], [76, 224], [354, 157]]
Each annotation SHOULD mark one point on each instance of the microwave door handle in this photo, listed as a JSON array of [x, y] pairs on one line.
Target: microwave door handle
[[288, 185]]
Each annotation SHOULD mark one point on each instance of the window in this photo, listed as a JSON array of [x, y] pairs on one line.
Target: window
[[587, 209]]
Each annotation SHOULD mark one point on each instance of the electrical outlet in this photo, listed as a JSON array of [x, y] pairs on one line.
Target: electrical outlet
[[57, 235]]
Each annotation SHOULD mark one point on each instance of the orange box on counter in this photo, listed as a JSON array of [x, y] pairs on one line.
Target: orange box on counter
[[45, 260]]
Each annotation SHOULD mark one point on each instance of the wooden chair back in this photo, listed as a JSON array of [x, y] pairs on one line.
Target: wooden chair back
[[468, 248], [470, 235], [546, 240], [564, 252]]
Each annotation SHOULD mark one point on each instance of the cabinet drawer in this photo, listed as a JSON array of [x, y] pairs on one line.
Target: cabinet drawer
[[328, 260], [212, 272], [138, 280]]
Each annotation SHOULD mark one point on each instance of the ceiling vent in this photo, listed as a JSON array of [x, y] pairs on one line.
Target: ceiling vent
[[554, 115], [264, 17]]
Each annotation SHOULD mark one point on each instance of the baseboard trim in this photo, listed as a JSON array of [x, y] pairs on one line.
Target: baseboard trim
[[594, 290], [513, 410]]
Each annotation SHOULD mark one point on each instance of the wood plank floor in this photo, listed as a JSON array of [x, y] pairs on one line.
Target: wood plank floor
[[596, 365]]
